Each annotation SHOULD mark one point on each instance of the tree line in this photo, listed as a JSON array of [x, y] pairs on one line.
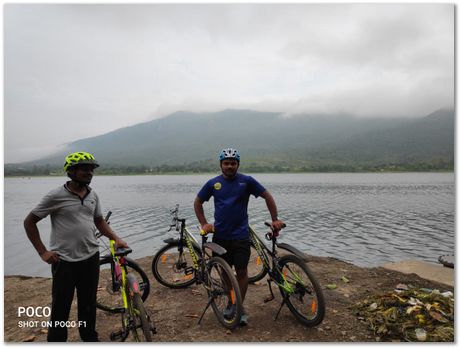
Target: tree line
[[437, 164]]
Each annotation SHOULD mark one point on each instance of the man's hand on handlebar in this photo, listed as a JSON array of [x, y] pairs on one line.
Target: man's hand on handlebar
[[207, 228], [120, 243], [277, 225]]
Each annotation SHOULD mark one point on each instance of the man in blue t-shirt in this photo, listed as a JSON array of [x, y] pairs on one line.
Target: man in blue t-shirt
[[231, 192]]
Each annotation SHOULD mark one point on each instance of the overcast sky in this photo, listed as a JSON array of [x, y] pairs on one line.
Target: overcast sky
[[75, 71]]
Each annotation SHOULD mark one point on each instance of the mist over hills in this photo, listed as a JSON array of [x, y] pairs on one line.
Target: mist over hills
[[269, 141]]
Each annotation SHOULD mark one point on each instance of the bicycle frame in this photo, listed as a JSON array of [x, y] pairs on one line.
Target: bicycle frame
[[202, 262], [129, 286], [273, 270], [288, 279], [260, 247], [119, 273], [191, 242]]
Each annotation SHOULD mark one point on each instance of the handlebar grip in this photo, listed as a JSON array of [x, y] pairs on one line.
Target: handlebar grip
[[107, 217], [123, 250], [203, 233]]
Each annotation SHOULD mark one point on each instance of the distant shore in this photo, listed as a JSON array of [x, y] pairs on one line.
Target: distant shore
[[250, 172]]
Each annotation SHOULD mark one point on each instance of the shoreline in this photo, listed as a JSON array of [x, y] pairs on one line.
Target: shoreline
[[250, 172], [176, 312], [431, 271]]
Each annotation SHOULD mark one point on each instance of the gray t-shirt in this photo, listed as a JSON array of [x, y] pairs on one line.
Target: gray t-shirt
[[72, 222]]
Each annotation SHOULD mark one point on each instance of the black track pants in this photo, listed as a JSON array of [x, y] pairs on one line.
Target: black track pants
[[84, 276]]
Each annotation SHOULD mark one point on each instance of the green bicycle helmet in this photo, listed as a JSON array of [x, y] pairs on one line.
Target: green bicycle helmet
[[81, 157]]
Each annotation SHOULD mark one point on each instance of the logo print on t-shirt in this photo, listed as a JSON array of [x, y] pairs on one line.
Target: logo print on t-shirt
[[217, 185]]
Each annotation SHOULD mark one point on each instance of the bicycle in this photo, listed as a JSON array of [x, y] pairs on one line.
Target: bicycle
[[256, 268], [183, 262], [108, 296], [126, 285], [134, 315], [300, 290]]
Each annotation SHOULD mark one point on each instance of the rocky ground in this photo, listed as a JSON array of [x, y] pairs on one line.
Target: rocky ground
[[176, 312]]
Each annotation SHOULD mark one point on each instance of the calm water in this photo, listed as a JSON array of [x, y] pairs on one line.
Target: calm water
[[366, 219]]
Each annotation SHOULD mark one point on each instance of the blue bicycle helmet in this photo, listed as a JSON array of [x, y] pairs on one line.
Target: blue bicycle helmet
[[229, 153]]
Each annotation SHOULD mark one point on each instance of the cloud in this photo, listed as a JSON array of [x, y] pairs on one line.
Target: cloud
[[74, 71]]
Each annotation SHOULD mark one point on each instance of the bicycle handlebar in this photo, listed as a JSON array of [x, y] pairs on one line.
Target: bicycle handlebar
[[273, 233], [271, 226], [107, 217], [174, 222], [203, 233]]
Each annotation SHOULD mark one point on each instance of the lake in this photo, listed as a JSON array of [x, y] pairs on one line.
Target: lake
[[366, 219]]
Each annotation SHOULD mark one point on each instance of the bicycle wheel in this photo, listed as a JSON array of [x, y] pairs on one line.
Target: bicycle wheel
[[141, 320], [256, 268], [223, 287], [301, 290], [172, 268], [109, 292]]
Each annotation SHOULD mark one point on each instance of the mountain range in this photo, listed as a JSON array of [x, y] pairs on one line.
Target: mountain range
[[271, 141]]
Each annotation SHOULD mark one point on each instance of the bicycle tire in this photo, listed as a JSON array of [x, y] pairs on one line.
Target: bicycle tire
[[306, 301], [217, 269], [256, 268], [169, 267], [110, 300], [140, 316]]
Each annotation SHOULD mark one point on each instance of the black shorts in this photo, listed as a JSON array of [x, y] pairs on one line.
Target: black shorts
[[238, 252]]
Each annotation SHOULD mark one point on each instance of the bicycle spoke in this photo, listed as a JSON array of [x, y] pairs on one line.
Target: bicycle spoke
[[301, 291], [224, 292], [109, 292], [173, 268]]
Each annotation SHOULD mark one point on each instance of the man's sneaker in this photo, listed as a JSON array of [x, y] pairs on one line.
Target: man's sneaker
[[229, 311], [244, 319]]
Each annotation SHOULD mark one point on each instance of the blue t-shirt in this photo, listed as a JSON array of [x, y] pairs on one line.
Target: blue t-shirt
[[231, 198]]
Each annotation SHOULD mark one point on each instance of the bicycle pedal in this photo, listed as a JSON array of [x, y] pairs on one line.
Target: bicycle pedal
[[117, 335], [189, 270], [269, 298]]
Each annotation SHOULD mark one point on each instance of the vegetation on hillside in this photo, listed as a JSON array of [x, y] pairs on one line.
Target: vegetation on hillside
[[252, 167], [188, 143]]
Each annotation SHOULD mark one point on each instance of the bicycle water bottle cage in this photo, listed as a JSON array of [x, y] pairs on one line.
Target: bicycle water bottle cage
[[123, 251], [215, 248]]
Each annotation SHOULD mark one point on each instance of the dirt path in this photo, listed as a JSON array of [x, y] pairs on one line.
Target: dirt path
[[176, 312]]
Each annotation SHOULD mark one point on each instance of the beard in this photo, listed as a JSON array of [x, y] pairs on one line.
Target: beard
[[229, 172]]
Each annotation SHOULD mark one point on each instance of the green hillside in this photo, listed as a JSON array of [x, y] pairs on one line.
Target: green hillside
[[186, 141]]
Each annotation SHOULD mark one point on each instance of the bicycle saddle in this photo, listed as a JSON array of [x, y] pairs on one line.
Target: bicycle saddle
[[123, 251], [216, 248]]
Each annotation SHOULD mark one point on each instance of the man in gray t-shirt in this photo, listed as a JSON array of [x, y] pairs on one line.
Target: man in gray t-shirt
[[74, 209]]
